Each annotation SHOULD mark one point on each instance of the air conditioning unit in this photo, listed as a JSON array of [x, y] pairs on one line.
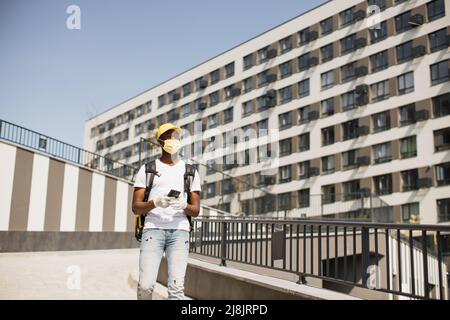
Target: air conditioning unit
[[311, 36], [363, 161], [359, 15], [362, 89], [203, 84], [419, 51], [361, 71], [175, 97], [272, 77], [362, 100], [203, 105], [363, 131], [422, 115], [313, 115], [313, 61], [360, 43], [416, 20], [235, 92], [272, 53], [424, 183], [313, 171]]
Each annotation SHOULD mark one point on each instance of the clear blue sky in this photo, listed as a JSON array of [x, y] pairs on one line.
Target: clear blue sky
[[53, 79]]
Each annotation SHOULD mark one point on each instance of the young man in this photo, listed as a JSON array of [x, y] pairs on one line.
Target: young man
[[166, 227]]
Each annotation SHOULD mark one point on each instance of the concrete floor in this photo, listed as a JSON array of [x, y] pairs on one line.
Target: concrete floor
[[85, 275]]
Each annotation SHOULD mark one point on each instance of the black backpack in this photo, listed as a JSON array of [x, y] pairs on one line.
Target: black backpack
[[150, 172]]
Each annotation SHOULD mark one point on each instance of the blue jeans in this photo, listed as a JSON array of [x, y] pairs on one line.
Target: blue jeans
[[175, 243]]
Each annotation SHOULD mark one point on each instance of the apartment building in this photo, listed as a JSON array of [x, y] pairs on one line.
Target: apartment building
[[355, 92]]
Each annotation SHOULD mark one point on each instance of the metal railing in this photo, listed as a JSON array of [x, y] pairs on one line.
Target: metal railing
[[398, 260], [56, 148]]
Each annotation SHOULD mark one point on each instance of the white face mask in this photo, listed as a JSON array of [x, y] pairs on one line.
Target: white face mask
[[172, 145]]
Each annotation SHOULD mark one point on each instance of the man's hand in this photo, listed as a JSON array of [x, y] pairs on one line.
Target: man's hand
[[162, 202], [178, 203]]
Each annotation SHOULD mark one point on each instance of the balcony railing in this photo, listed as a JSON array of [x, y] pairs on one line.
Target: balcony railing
[[398, 259]]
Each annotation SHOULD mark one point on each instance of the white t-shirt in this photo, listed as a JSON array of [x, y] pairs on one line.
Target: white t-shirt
[[171, 177]]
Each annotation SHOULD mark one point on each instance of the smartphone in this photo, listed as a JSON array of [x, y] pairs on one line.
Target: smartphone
[[173, 193]]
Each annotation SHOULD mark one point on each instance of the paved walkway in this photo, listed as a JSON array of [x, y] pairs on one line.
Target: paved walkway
[[86, 275]]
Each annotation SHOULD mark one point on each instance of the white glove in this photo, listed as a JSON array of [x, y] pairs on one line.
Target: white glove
[[178, 203], [162, 202]]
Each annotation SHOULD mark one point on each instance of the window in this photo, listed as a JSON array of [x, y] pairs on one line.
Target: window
[[380, 91], [303, 142], [303, 198], [328, 164], [285, 147], [327, 79], [402, 22], [248, 85], [378, 34], [213, 120], [440, 72], [346, 17], [441, 105], [303, 170], [248, 61], [326, 26], [262, 78], [285, 120], [327, 107], [211, 190], [227, 186], [350, 129], [214, 98], [285, 201], [348, 72], [228, 115], [227, 91], [410, 212], [303, 88], [328, 194], [443, 174], [303, 114], [381, 4], [442, 139], [443, 206], [383, 184], [436, 9], [285, 94], [187, 89], [348, 44], [407, 114], [247, 108], [405, 52], [197, 103], [381, 121], [327, 136], [262, 54], [405, 83], [215, 76], [351, 190], [160, 119], [303, 62], [285, 174], [185, 110], [229, 70], [286, 69], [438, 40], [286, 44], [161, 101], [382, 152], [379, 61], [410, 180], [303, 36], [349, 159], [327, 52], [408, 147], [199, 84], [348, 100], [262, 127]]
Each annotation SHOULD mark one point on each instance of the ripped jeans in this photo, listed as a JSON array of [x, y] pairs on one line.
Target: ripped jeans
[[175, 243]]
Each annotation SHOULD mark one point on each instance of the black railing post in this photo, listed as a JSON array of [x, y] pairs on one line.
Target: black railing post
[[365, 253], [223, 240]]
